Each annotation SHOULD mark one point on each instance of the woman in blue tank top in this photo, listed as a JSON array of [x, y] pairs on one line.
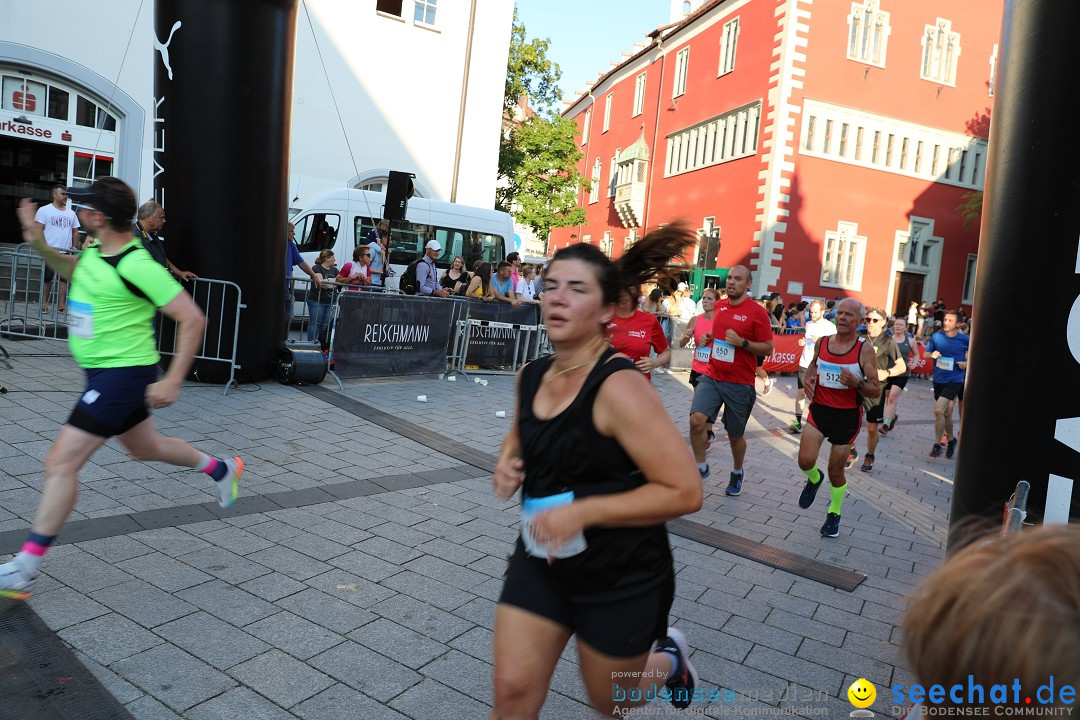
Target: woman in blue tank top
[[601, 467]]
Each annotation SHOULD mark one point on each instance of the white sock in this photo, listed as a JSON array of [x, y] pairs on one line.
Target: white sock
[[702, 466]]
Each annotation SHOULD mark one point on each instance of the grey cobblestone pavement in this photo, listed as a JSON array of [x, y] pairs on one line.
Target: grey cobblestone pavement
[[378, 602]]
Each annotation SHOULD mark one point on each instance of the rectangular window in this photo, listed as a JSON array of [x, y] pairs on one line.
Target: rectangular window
[[828, 137], [605, 243], [918, 157], [877, 147], [59, 100], [889, 149], [858, 144], [843, 139], [607, 112], [903, 154], [810, 132], [868, 33], [388, 7], [729, 41], [993, 70], [424, 11], [969, 279], [682, 63], [25, 97], [613, 178], [941, 48], [87, 168], [639, 95], [585, 126], [842, 258], [594, 187], [726, 137]]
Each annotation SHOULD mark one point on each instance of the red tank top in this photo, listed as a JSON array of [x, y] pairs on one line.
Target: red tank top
[[830, 392], [702, 351]]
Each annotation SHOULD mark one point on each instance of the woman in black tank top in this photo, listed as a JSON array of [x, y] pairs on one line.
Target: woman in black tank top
[[599, 475]]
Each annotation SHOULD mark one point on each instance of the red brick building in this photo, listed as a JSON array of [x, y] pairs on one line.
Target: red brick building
[[827, 144]]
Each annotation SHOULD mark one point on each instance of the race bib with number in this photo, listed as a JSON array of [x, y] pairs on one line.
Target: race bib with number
[[944, 363], [702, 354], [723, 351], [829, 375], [80, 317]]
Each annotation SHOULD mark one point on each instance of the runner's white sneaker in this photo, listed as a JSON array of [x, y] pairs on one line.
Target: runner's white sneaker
[[228, 486], [14, 581]]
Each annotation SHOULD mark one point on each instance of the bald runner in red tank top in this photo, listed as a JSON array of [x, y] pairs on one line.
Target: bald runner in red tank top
[[830, 392], [751, 322]]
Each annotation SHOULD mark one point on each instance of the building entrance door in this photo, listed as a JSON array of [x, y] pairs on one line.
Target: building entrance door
[[27, 168], [908, 288]]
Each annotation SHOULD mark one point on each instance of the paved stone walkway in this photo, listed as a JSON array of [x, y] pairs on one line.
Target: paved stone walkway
[[380, 605]]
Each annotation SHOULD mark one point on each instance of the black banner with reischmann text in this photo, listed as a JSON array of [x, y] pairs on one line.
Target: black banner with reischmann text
[[495, 345], [382, 335]]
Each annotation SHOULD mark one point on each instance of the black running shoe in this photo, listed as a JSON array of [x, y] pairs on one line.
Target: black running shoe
[[809, 491], [936, 450], [950, 448], [831, 528], [867, 463], [683, 682]]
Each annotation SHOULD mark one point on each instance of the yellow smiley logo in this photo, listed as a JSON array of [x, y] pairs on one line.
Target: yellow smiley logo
[[862, 693]]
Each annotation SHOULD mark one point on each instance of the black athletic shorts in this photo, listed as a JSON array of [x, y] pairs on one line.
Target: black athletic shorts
[[876, 413], [760, 360], [694, 378], [800, 377], [899, 381], [114, 400], [840, 426], [949, 391], [620, 628]]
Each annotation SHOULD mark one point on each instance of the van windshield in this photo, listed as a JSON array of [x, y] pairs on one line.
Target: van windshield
[[407, 241]]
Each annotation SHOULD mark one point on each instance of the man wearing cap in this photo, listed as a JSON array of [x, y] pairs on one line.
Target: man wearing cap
[[684, 302], [377, 241], [427, 277], [116, 288]]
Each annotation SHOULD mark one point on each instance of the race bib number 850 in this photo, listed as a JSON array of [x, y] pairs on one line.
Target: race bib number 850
[[722, 351]]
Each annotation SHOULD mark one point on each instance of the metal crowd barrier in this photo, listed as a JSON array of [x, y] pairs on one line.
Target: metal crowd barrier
[[1016, 509], [300, 320], [23, 315], [523, 352], [220, 300]]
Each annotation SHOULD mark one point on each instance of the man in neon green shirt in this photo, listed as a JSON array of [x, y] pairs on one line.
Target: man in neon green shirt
[[116, 288]]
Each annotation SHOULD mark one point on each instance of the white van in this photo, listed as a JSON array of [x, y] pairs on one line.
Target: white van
[[341, 219]]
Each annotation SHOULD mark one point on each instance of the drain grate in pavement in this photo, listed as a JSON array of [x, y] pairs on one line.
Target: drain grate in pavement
[[808, 568], [40, 677]]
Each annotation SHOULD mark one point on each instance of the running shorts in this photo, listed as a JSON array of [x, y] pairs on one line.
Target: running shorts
[[899, 381], [620, 628], [800, 377], [949, 391], [760, 360], [694, 378], [876, 413], [114, 400], [736, 399], [840, 426]]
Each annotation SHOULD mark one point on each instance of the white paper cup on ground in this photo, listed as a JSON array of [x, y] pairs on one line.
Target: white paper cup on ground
[[500, 413], [421, 398], [452, 378]]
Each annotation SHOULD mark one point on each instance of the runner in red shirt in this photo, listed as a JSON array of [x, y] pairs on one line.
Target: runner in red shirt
[[741, 331], [843, 369], [635, 333], [697, 329]]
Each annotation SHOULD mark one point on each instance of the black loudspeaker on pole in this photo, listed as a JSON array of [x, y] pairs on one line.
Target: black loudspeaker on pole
[[1022, 399], [223, 97], [399, 188]]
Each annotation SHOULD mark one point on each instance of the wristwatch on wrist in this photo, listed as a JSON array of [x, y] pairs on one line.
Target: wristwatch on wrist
[[745, 344]]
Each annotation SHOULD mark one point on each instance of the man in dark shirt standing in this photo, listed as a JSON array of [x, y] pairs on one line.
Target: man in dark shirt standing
[[151, 218]]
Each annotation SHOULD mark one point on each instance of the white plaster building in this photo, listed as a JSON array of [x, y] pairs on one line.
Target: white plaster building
[[74, 106]]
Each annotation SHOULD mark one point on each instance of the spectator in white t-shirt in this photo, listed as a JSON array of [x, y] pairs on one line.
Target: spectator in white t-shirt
[[61, 229], [526, 290], [816, 329]]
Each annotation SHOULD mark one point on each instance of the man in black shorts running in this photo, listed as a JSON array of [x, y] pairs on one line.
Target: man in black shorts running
[[116, 288], [843, 369], [890, 364]]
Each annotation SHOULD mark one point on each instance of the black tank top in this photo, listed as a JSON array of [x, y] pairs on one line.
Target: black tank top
[[567, 452]]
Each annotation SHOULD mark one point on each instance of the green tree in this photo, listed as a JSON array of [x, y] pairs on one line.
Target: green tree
[[537, 164], [538, 176], [971, 209]]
